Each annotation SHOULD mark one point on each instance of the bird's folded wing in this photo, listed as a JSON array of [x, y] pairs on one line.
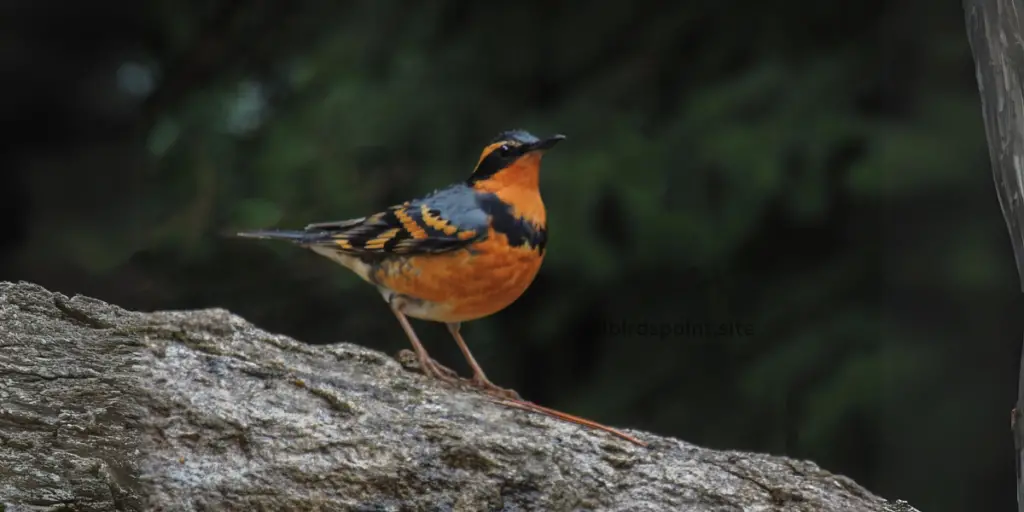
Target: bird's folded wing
[[431, 225]]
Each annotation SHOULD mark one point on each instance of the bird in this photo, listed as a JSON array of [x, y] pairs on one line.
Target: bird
[[458, 254]]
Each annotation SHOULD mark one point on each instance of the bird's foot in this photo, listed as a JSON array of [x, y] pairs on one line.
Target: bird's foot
[[432, 368], [428, 367], [492, 389]]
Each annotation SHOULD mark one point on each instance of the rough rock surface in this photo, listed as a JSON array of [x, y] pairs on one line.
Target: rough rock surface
[[106, 409]]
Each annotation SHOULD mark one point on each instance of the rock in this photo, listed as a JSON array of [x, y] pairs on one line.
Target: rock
[[106, 409]]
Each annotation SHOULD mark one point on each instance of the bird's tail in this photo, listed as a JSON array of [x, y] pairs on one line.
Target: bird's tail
[[277, 234]]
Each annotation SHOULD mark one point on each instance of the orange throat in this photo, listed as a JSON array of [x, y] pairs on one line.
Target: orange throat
[[519, 186]]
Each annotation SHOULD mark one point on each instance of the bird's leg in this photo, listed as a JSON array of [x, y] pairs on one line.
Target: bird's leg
[[480, 380], [428, 366]]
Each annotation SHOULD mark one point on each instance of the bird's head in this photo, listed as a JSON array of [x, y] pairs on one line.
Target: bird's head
[[511, 159]]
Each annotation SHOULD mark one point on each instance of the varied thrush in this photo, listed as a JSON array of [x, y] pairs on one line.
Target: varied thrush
[[458, 254]]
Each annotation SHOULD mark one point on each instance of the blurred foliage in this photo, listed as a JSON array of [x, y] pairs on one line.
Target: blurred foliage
[[818, 173]]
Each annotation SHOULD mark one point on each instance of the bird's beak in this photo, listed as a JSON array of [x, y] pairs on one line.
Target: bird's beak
[[545, 144]]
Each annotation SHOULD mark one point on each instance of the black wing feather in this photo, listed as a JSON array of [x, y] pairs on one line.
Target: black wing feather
[[403, 229]]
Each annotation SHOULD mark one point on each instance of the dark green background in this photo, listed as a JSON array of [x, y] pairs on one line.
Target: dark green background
[[814, 171]]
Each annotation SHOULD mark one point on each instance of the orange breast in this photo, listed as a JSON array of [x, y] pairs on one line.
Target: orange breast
[[466, 284]]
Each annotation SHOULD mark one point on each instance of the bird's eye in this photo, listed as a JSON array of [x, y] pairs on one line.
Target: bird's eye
[[504, 150]]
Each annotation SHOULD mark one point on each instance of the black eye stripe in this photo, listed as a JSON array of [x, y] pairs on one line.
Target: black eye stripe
[[497, 160]]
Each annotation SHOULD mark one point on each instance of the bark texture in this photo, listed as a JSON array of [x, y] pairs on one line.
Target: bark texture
[[994, 29], [105, 409]]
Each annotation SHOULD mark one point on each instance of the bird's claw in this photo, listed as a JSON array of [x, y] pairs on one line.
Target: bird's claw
[[432, 368], [440, 372], [493, 389]]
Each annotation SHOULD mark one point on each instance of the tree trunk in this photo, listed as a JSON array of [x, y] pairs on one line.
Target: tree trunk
[[994, 31], [105, 409]]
